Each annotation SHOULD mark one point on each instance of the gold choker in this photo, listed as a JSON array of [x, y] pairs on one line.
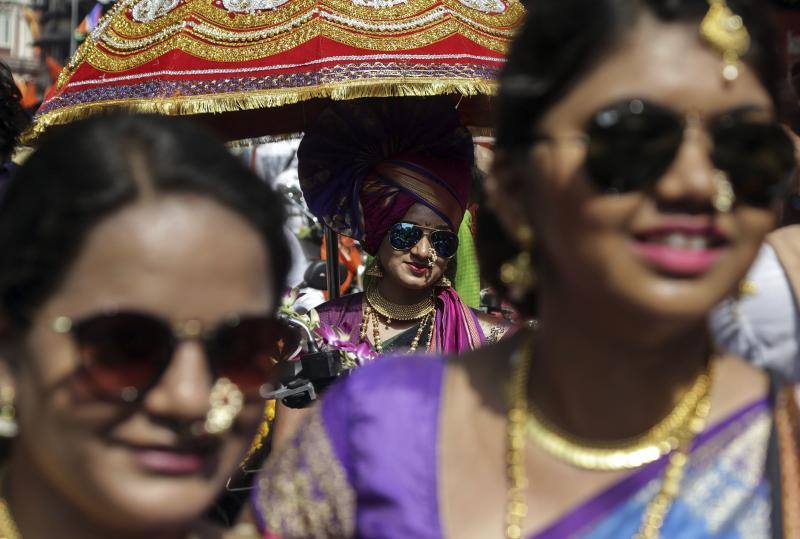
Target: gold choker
[[673, 436], [660, 439], [392, 311]]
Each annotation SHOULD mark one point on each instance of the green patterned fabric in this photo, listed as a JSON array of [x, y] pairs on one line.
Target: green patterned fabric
[[468, 276]]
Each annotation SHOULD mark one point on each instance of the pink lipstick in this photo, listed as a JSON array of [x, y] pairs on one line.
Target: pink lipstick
[[681, 249]]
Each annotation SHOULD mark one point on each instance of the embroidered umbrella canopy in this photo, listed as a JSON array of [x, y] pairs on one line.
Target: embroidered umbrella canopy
[[257, 68]]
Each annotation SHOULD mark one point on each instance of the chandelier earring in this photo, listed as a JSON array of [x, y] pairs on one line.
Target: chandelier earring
[[518, 274], [226, 401], [8, 419], [444, 282]]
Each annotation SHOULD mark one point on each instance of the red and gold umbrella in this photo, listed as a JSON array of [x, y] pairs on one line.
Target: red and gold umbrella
[[266, 67]]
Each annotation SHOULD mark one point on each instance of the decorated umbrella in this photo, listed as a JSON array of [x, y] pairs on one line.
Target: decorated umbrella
[[255, 68]]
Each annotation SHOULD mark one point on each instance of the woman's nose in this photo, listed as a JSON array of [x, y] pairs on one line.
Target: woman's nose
[[690, 178], [422, 248], [182, 393]]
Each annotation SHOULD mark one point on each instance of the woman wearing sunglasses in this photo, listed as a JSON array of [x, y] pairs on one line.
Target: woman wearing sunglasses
[[638, 168], [396, 176], [141, 268]]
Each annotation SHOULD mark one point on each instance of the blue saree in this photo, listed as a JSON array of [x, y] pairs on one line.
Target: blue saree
[[365, 465]]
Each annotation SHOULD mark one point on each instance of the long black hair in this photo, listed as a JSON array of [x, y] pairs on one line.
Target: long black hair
[[87, 170], [559, 43]]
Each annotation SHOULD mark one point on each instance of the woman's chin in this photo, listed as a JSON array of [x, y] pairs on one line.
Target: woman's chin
[[414, 282], [673, 300], [153, 506]]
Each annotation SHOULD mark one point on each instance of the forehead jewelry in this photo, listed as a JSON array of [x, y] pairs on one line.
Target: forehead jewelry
[[725, 31]]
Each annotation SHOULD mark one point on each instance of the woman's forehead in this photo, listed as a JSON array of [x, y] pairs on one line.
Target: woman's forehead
[[419, 214], [668, 64]]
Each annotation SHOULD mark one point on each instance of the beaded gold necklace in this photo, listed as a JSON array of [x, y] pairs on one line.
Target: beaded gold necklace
[[675, 441], [376, 306], [392, 311]]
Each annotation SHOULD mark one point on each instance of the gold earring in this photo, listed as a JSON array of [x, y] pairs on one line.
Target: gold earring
[[226, 400], [374, 269], [8, 420], [726, 32], [724, 197], [518, 274], [444, 282]]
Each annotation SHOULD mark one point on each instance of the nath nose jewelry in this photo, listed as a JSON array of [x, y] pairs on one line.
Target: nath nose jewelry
[[226, 402], [724, 197], [432, 257]]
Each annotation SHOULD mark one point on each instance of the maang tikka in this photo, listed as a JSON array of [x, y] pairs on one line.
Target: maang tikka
[[725, 31]]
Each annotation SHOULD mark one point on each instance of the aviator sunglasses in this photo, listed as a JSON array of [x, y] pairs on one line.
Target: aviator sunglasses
[[632, 143], [404, 236], [125, 353]]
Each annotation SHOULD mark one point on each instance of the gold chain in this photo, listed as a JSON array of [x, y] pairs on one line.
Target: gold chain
[[393, 311], [519, 416], [371, 316], [628, 454]]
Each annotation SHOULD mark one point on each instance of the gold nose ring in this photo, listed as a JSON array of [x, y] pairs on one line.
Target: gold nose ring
[[724, 197]]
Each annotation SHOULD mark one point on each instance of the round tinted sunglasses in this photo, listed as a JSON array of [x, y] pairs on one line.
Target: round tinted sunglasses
[[125, 353], [404, 236], [631, 144]]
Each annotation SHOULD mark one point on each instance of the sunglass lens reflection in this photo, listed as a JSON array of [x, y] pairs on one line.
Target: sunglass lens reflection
[[123, 350], [248, 351], [758, 158], [404, 236], [631, 145], [445, 243]]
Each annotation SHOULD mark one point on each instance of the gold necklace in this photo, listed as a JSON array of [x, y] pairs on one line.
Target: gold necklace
[[371, 316], [516, 505], [393, 311], [627, 454]]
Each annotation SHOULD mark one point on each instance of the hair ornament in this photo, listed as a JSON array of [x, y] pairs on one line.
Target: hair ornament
[[726, 32]]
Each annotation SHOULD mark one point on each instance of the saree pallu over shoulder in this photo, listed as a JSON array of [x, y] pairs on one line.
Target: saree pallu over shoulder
[[306, 489], [724, 493], [457, 327], [365, 464]]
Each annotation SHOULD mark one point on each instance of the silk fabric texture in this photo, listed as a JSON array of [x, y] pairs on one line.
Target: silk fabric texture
[[366, 465]]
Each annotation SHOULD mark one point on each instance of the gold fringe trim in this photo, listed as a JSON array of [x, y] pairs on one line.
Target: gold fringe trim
[[239, 101], [257, 141]]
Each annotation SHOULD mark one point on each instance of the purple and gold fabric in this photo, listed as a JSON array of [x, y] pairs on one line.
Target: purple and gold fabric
[[366, 465]]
